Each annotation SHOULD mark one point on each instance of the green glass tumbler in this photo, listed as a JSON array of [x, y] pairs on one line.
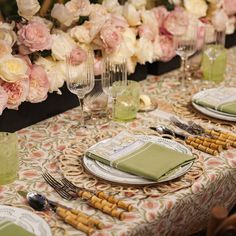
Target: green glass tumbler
[[8, 158], [127, 104], [214, 70]]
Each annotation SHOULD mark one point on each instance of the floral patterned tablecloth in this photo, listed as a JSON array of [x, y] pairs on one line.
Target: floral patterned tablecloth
[[180, 212]]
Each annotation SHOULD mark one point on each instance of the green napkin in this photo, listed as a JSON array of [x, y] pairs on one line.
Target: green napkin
[[221, 99], [139, 157], [8, 228]]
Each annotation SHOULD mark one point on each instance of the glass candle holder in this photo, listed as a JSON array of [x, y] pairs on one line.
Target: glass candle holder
[[8, 158], [127, 104]]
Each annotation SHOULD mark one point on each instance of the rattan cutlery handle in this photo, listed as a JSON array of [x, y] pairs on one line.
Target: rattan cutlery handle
[[222, 134], [104, 208], [206, 143], [202, 148], [90, 219], [216, 141], [74, 221], [90, 196], [114, 200]]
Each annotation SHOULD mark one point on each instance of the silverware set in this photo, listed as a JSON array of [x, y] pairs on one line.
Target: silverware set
[[205, 140]]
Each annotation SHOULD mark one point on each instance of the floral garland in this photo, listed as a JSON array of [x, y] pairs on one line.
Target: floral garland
[[33, 50]]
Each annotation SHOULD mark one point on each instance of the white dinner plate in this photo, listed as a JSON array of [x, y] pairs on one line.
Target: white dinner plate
[[26, 219], [210, 111], [116, 176]]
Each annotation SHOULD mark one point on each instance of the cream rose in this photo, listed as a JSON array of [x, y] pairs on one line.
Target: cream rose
[[144, 50], [138, 4], [219, 20], [13, 69], [131, 14], [111, 5], [27, 8], [8, 35], [196, 7], [5, 49], [78, 8], [62, 44], [3, 99], [149, 19], [62, 14], [81, 33]]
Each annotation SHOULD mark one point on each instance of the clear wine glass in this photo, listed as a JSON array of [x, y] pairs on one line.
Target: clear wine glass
[[214, 46], [80, 80], [114, 79], [186, 46]]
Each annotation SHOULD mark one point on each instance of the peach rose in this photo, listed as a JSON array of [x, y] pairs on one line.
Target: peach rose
[[176, 22], [3, 99], [160, 13], [38, 84], [17, 93], [146, 32], [77, 56], [34, 37]]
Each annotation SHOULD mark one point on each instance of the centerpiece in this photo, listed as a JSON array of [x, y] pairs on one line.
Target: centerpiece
[[34, 44]]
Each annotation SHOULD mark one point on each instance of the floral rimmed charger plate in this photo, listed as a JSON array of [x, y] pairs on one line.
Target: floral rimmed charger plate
[[26, 219], [108, 173]]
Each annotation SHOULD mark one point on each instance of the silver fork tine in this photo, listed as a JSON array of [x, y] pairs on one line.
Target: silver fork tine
[[68, 184], [57, 186]]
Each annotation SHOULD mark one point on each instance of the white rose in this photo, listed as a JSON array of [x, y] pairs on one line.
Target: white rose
[[7, 26], [219, 20], [8, 36], [62, 14], [56, 72], [13, 69], [149, 19], [138, 4], [62, 44], [131, 14], [127, 47], [27, 8], [230, 25], [98, 12], [79, 8], [196, 7], [144, 50], [81, 33], [110, 5]]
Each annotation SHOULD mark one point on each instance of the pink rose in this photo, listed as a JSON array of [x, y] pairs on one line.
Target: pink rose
[[17, 92], [38, 84], [176, 22], [77, 56], [3, 99], [229, 6], [160, 13], [146, 32], [167, 46], [111, 38], [34, 37]]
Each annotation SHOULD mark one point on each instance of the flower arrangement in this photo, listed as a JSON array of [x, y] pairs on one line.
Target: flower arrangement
[[33, 50]]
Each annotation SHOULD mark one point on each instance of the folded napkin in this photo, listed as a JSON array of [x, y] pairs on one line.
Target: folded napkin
[[131, 154], [221, 99], [8, 228]]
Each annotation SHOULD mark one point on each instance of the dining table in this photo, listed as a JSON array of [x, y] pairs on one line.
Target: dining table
[[177, 207]]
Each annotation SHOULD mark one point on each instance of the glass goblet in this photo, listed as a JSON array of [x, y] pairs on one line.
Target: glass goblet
[[114, 79], [80, 80], [186, 46]]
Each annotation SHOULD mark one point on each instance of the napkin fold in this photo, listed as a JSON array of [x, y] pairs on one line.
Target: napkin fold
[[221, 99], [8, 228], [130, 154]]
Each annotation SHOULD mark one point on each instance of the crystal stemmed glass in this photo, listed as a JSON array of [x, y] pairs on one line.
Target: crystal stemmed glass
[[186, 46], [214, 45], [80, 80], [114, 79]]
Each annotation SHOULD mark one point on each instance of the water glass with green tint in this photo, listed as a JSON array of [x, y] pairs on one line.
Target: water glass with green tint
[[214, 70], [8, 158], [127, 104]]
